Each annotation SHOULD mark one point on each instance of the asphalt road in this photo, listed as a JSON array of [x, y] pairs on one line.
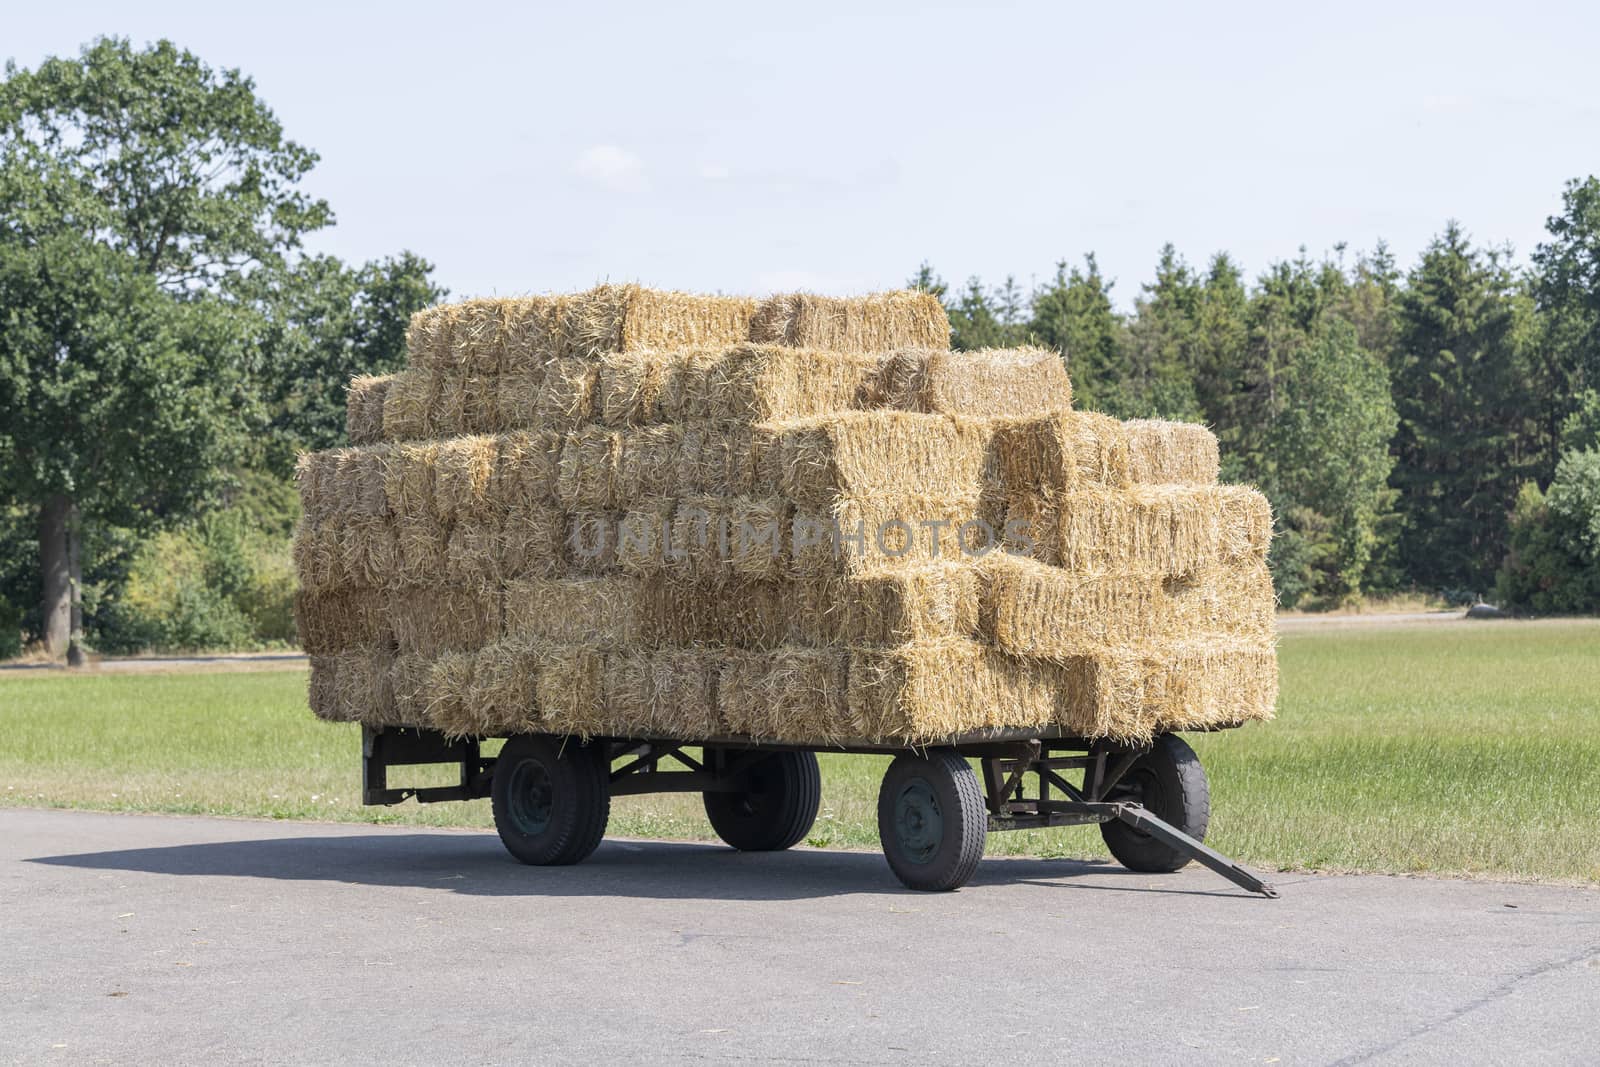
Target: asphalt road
[[147, 938]]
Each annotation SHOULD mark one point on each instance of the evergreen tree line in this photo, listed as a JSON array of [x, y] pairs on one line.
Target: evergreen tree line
[[1434, 429]]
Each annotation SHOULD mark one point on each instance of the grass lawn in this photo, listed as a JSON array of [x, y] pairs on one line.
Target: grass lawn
[[1470, 748]]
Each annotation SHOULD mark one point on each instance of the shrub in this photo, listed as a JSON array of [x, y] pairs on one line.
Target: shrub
[[1553, 565]]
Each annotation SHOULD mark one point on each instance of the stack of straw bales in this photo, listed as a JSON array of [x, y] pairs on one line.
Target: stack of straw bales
[[650, 514]]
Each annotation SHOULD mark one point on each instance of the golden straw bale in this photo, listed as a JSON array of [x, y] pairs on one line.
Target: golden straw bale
[[630, 387], [368, 551], [448, 686], [684, 376], [1171, 453], [651, 461], [569, 687], [332, 621], [408, 679], [503, 695], [479, 337], [421, 550], [323, 689], [408, 405], [516, 397], [665, 693], [590, 541], [462, 470], [766, 383], [318, 562], [912, 602], [859, 453], [1059, 453], [627, 318], [363, 687], [587, 474], [639, 540], [428, 340], [1245, 526], [527, 467], [359, 475], [786, 694], [609, 612], [364, 408], [533, 332], [861, 534], [408, 478], [532, 541], [735, 613], [429, 620], [990, 382], [473, 553], [568, 394], [928, 691], [875, 323]]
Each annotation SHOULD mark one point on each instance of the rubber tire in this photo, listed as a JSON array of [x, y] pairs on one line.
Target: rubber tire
[[961, 807], [778, 812], [579, 778], [1169, 781]]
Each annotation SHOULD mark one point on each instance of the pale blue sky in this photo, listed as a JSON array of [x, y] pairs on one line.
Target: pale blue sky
[[749, 147]]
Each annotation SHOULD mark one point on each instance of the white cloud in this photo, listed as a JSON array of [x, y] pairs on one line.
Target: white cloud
[[611, 167], [715, 172]]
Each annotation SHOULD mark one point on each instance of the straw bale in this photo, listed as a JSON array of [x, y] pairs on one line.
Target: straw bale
[[927, 691], [408, 478], [1033, 609], [858, 453], [534, 333], [428, 336], [502, 695], [569, 687], [631, 384], [587, 474], [866, 533], [1059, 453], [429, 620], [532, 541], [322, 691], [637, 542], [706, 537], [516, 397], [590, 540], [754, 383], [447, 689], [685, 373], [408, 405], [368, 551], [1171, 453], [608, 612], [363, 687], [462, 470], [473, 553], [914, 602], [990, 382], [786, 694], [568, 394], [628, 318], [527, 466], [665, 693], [313, 473], [733, 613], [875, 323], [479, 337], [652, 461], [700, 458], [421, 550], [1132, 693], [358, 481], [408, 679], [364, 408], [332, 621], [318, 562]]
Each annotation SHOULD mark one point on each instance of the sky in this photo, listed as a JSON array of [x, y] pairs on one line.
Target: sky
[[747, 148]]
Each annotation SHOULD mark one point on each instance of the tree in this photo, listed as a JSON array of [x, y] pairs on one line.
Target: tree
[[1073, 315], [138, 190], [1566, 288], [1161, 345], [1460, 393]]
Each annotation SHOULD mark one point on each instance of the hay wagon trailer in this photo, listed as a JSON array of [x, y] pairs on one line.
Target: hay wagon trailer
[[552, 795]]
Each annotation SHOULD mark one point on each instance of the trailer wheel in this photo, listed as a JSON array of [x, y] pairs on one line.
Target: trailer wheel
[[1170, 783], [777, 811], [932, 820], [551, 798]]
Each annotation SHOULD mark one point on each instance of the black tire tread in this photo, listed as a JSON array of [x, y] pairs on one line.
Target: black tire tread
[[587, 773], [1139, 852], [788, 825], [972, 815]]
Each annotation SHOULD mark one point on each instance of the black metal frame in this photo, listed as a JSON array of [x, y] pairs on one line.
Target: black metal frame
[[1008, 759]]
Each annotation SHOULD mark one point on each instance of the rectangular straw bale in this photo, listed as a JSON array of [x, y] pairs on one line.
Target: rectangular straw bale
[[724, 536], [447, 688], [408, 477], [662, 693], [473, 554], [685, 373], [628, 318], [463, 469], [318, 562], [534, 333], [532, 541], [591, 539], [516, 397], [569, 688], [608, 612], [1034, 609], [364, 688], [588, 471], [858, 453], [1060, 452], [314, 475], [502, 697], [1132, 693], [786, 694], [766, 383], [408, 405], [358, 476], [408, 678], [428, 336], [927, 691], [1171, 453], [322, 691], [875, 323], [364, 408], [527, 468], [735, 612], [638, 542], [651, 462], [421, 550], [429, 620], [369, 553], [714, 459], [991, 382], [913, 602], [478, 339], [568, 394], [630, 387], [864, 533], [332, 621]]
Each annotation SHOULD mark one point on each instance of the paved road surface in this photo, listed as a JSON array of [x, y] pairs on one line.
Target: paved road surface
[[132, 938]]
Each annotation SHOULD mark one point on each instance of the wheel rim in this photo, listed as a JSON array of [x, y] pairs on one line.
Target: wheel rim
[[532, 797], [918, 822], [1142, 787]]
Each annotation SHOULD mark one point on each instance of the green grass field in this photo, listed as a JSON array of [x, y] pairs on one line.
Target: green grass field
[[1463, 749]]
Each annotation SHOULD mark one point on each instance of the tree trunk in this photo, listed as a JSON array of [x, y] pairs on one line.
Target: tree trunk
[[56, 569], [61, 562]]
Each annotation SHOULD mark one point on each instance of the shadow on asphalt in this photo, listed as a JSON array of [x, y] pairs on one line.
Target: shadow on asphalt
[[476, 864]]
